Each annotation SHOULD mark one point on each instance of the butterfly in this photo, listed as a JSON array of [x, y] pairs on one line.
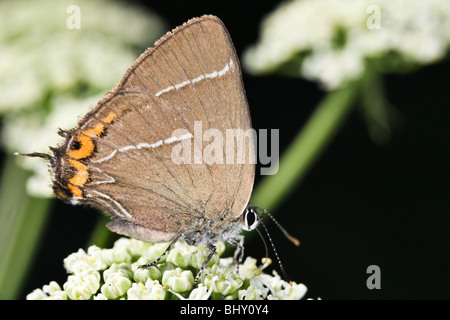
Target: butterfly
[[120, 156]]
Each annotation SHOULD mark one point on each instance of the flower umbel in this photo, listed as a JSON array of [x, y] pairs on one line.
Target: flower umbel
[[332, 41], [112, 274]]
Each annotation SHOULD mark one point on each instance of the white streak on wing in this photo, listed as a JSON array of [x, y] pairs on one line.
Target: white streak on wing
[[156, 144], [123, 149], [170, 140], [211, 75], [112, 154], [107, 204], [145, 145], [164, 91], [180, 138], [111, 179], [181, 85], [226, 69], [199, 78], [123, 211]]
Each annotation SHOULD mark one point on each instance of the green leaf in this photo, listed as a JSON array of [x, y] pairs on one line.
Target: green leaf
[[22, 219]]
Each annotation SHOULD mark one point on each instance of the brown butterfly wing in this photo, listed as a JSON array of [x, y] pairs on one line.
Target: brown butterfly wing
[[192, 74]]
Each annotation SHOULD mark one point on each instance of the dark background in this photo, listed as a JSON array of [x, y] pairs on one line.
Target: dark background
[[360, 204]]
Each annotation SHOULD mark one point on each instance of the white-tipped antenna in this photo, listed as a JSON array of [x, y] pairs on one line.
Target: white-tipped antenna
[[286, 234], [34, 154], [293, 239]]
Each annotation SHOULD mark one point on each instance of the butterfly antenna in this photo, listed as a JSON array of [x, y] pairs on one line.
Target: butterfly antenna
[[293, 239], [276, 255], [265, 246], [34, 154]]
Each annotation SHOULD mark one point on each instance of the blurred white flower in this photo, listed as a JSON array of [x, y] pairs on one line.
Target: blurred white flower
[[52, 291], [40, 54], [152, 290], [80, 261], [82, 285], [49, 73], [330, 41]]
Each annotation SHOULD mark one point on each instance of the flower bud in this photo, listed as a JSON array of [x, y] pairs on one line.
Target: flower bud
[[82, 285], [116, 286], [152, 290], [200, 293], [198, 257], [179, 257], [143, 274], [36, 294], [122, 269], [178, 280]]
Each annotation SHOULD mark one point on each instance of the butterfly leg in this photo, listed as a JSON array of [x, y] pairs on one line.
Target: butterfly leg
[[208, 258], [239, 252], [148, 265]]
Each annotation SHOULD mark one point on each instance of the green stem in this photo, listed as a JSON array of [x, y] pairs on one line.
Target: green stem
[[306, 147], [22, 219], [380, 116]]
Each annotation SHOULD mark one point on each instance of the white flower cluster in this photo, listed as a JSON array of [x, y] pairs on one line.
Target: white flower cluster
[[41, 54], [50, 73], [115, 273], [330, 41]]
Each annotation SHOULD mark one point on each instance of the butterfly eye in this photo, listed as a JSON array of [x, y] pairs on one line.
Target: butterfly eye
[[251, 219]]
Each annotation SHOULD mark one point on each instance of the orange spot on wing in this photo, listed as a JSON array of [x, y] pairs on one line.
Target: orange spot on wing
[[62, 195], [95, 132], [82, 174], [109, 118], [75, 190], [86, 149]]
